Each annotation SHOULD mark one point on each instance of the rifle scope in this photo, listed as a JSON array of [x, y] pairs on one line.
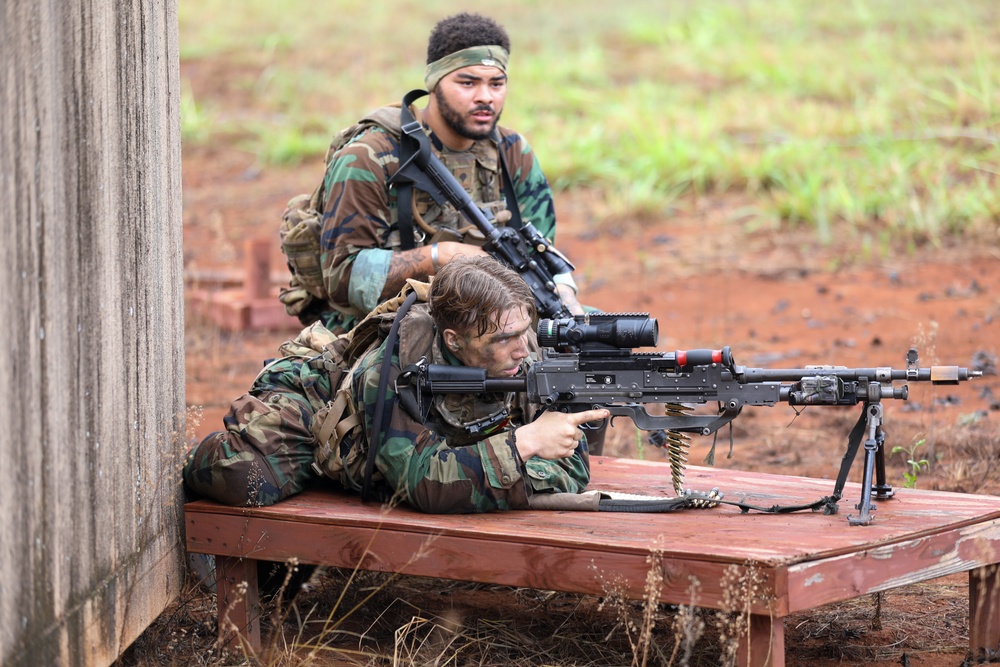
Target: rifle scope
[[618, 330]]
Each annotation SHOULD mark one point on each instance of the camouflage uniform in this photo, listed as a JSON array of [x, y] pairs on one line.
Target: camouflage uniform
[[360, 221], [460, 457]]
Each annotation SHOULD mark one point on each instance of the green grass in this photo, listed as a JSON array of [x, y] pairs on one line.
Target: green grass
[[880, 119]]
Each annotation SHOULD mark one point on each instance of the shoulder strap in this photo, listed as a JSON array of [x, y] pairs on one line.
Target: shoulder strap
[[381, 417]]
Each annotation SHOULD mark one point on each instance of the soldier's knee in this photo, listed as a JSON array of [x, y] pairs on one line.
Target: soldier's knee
[[223, 468]]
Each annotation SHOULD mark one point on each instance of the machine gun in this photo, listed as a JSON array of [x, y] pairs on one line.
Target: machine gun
[[606, 373], [523, 248]]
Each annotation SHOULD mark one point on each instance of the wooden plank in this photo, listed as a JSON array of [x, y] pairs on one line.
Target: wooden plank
[[927, 534], [764, 643], [892, 565], [569, 568], [984, 613], [721, 534], [806, 560], [238, 602]]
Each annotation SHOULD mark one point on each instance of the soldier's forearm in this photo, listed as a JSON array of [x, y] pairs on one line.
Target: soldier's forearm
[[423, 262], [568, 296], [406, 264]]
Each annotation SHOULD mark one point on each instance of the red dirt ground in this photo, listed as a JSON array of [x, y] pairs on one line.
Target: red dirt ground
[[778, 298]]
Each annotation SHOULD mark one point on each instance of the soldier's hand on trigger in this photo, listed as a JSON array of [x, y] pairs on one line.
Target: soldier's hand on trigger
[[554, 435]]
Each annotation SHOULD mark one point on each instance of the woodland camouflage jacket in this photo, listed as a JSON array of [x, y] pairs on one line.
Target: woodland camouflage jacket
[[436, 464], [359, 213]]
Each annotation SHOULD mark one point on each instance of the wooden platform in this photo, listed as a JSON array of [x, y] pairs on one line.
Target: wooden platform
[[804, 560]]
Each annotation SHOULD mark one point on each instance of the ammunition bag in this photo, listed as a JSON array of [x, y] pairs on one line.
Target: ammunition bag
[[301, 226]]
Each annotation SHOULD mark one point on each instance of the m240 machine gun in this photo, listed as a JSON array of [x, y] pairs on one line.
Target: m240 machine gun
[[606, 373]]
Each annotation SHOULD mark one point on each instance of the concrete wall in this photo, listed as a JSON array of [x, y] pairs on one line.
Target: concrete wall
[[91, 322]]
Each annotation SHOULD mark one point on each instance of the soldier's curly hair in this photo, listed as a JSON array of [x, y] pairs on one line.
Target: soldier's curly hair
[[471, 292], [463, 30]]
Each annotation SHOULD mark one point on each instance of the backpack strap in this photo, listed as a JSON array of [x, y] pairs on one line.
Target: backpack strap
[[381, 418]]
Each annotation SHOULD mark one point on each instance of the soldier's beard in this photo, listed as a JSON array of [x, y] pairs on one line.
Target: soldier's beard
[[458, 123]]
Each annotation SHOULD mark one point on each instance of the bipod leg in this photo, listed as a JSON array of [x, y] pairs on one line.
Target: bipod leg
[[874, 416], [883, 490], [853, 444]]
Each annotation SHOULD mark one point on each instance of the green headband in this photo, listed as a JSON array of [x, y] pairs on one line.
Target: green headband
[[490, 56]]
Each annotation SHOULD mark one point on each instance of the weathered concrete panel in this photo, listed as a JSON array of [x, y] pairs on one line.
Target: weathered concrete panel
[[91, 321]]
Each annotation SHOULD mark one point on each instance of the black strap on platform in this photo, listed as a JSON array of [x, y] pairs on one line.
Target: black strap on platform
[[826, 504]]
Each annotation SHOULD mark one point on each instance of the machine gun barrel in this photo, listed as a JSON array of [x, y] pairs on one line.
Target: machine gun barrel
[[939, 375]]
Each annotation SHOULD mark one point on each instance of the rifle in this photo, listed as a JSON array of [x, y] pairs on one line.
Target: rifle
[[606, 373], [521, 247]]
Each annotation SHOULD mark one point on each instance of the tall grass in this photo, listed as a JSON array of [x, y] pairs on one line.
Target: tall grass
[[878, 118]]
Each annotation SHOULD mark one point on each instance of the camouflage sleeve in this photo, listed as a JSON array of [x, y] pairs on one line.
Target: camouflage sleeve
[[433, 475], [569, 475], [534, 195], [357, 215]]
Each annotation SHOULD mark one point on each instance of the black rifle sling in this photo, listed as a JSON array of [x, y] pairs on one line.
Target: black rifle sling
[[414, 141], [404, 215], [508, 186], [407, 152], [381, 418], [698, 501], [827, 503]]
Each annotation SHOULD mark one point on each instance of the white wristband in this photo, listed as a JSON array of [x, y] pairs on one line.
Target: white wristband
[[434, 257]]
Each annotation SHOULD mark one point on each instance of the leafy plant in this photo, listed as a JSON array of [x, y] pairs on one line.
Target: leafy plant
[[917, 465]]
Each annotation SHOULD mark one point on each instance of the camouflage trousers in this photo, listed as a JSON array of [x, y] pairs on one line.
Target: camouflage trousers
[[265, 453]]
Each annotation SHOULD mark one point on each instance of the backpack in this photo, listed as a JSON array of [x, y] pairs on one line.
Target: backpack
[[302, 225], [337, 426]]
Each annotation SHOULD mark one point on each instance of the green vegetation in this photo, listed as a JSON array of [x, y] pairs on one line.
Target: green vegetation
[[915, 465], [880, 119]]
